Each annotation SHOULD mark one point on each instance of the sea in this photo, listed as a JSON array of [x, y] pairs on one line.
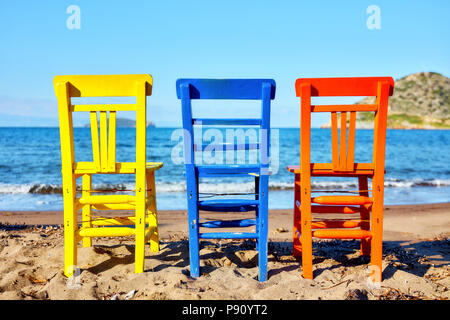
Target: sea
[[417, 165]]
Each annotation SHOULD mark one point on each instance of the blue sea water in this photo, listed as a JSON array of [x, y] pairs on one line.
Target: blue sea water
[[417, 166]]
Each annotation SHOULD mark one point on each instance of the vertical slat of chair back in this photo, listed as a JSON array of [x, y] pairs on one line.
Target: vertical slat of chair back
[[95, 141], [334, 141], [104, 149], [103, 128], [112, 142], [343, 142], [343, 147], [351, 142], [103, 141]]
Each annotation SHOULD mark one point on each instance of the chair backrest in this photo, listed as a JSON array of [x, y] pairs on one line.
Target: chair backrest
[[343, 151], [232, 89], [103, 145]]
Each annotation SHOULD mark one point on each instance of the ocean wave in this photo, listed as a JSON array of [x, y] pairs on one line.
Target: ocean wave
[[14, 188], [53, 188], [396, 183], [174, 187]]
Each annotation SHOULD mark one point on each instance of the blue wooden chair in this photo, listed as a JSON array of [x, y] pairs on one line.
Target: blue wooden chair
[[243, 89]]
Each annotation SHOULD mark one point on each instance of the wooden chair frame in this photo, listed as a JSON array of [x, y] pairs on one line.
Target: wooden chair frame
[[253, 89], [104, 162], [370, 226]]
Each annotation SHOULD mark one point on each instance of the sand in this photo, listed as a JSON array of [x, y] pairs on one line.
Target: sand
[[415, 262]]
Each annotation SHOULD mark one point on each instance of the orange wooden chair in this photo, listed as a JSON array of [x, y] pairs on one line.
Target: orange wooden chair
[[369, 204]]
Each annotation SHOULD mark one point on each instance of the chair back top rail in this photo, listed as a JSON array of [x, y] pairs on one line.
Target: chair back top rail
[[123, 85], [225, 88], [341, 87]]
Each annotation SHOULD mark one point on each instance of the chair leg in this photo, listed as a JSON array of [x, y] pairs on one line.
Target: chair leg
[[153, 214], [70, 229], [262, 253], [139, 245], [140, 227], [86, 211], [377, 239], [365, 215], [297, 230], [257, 211], [194, 247], [263, 213], [306, 237], [193, 217]]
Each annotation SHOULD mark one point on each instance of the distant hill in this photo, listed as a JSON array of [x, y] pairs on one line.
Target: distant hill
[[127, 123], [420, 101]]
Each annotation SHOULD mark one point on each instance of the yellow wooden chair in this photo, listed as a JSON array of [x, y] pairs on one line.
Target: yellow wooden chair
[[104, 162]]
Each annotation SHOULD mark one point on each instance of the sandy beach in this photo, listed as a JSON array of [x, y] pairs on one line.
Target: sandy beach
[[416, 261]]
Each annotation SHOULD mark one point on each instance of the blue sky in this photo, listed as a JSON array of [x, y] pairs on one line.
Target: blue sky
[[282, 40]]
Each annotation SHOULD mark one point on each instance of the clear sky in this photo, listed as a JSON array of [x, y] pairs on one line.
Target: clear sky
[[282, 40]]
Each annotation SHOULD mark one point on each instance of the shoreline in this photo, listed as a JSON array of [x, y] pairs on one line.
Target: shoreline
[[401, 222], [408, 192]]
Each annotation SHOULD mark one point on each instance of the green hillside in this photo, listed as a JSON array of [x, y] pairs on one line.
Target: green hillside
[[420, 101]]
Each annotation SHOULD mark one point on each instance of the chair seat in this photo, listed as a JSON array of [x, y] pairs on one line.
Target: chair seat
[[153, 166], [228, 205], [121, 168], [326, 169]]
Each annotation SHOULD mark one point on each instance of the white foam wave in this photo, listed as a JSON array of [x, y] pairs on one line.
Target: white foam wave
[[15, 188], [222, 187], [277, 185]]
